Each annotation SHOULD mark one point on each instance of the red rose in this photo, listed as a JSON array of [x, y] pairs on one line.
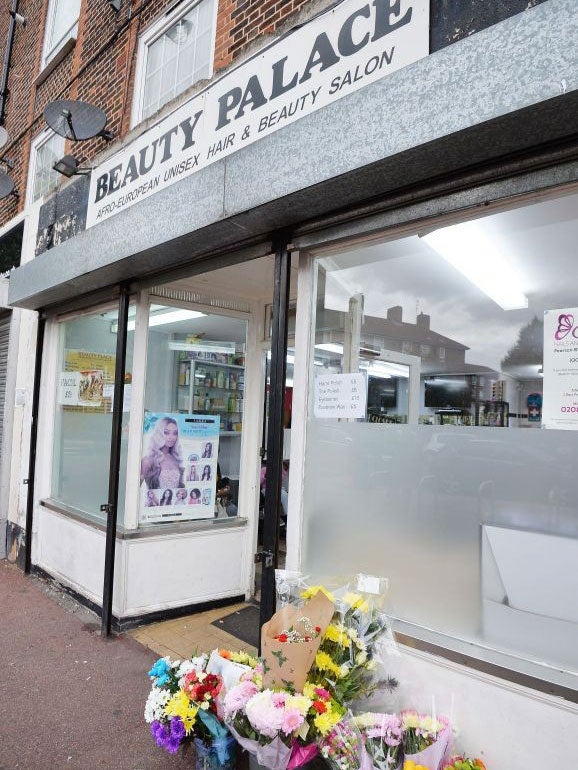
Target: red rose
[[318, 629], [281, 637], [319, 706]]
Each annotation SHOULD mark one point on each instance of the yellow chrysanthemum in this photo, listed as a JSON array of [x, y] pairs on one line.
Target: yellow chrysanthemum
[[356, 602], [410, 720], [300, 702], [337, 634], [324, 662], [410, 765], [244, 658], [180, 706], [309, 690], [314, 590], [325, 722]]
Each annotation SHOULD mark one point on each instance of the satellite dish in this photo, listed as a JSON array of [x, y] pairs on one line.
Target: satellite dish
[[3, 136], [6, 185], [76, 120]]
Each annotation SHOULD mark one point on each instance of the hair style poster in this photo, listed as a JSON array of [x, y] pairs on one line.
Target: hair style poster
[[178, 469]]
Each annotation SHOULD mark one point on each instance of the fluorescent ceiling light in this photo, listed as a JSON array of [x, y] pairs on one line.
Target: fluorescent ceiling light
[[467, 248], [160, 319], [330, 347], [385, 370]]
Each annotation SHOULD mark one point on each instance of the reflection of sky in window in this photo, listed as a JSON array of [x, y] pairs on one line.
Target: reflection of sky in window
[[538, 241]]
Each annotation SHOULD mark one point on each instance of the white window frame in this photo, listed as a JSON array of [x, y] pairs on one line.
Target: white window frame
[[70, 34], [155, 31], [35, 146]]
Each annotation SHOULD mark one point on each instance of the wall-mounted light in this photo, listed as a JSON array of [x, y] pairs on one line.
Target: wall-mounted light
[[468, 248], [68, 166], [116, 5]]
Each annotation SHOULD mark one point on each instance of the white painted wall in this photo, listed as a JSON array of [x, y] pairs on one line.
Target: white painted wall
[[19, 386], [508, 726], [152, 573]]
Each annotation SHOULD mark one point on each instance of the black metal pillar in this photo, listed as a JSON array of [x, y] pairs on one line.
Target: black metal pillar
[[33, 442], [111, 506], [275, 429]]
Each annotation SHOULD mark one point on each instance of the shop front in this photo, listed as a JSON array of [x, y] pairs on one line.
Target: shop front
[[423, 226]]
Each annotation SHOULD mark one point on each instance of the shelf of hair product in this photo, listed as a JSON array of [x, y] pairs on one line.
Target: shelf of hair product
[[210, 383]]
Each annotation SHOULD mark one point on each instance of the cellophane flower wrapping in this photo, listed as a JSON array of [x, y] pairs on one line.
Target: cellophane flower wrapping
[[289, 723], [383, 737], [183, 705], [343, 747], [427, 741], [354, 659]]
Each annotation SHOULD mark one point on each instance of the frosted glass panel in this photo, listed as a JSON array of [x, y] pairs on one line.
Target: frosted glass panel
[[411, 502], [458, 482]]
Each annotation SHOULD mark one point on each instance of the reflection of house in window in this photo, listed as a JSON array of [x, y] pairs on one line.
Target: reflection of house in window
[[394, 333]]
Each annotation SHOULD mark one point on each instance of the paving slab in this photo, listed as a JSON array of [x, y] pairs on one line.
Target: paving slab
[[69, 699]]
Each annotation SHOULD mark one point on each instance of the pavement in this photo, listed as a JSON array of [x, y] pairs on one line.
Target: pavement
[[69, 699]]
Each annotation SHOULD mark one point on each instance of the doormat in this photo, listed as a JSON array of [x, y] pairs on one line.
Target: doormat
[[244, 624]]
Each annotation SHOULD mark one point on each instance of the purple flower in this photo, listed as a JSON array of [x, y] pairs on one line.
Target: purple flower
[[177, 728], [172, 744], [161, 734]]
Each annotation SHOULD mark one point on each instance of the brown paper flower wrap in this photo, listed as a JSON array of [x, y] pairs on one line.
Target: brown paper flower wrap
[[286, 664]]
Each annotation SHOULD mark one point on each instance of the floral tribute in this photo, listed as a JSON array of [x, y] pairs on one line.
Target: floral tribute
[[322, 655], [182, 707], [382, 737], [426, 740]]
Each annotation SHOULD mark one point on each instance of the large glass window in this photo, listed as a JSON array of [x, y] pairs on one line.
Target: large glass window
[[194, 402], [175, 53], [454, 476], [61, 26], [85, 390]]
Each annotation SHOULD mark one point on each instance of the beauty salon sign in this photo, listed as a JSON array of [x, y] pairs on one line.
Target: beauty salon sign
[[340, 51]]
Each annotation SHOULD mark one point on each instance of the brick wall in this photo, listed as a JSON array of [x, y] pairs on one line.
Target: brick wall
[[239, 22], [101, 67]]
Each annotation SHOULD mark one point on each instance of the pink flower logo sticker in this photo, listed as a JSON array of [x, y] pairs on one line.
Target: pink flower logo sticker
[[565, 326]]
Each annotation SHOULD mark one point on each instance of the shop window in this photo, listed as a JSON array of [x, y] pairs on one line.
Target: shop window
[[61, 26], [44, 152], [175, 53], [454, 471], [83, 422], [193, 422]]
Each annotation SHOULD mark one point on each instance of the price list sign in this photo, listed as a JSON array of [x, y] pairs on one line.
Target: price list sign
[[340, 395]]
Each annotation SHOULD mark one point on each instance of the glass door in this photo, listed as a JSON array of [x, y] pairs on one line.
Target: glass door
[[193, 423]]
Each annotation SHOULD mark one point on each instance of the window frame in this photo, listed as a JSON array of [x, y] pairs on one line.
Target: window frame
[[151, 35], [48, 54], [35, 146]]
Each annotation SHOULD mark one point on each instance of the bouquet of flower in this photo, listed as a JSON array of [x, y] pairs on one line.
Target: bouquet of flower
[[382, 735], [343, 747], [182, 708], [290, 640], [280, 727], [349, 653], [459, 762], [426, 740]]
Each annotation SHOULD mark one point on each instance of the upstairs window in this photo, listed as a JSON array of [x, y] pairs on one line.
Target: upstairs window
[[61, 26], [45, 150], [175, 53]]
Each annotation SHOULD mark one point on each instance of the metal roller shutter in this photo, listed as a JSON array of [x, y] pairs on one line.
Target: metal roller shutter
[[4, 341]]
